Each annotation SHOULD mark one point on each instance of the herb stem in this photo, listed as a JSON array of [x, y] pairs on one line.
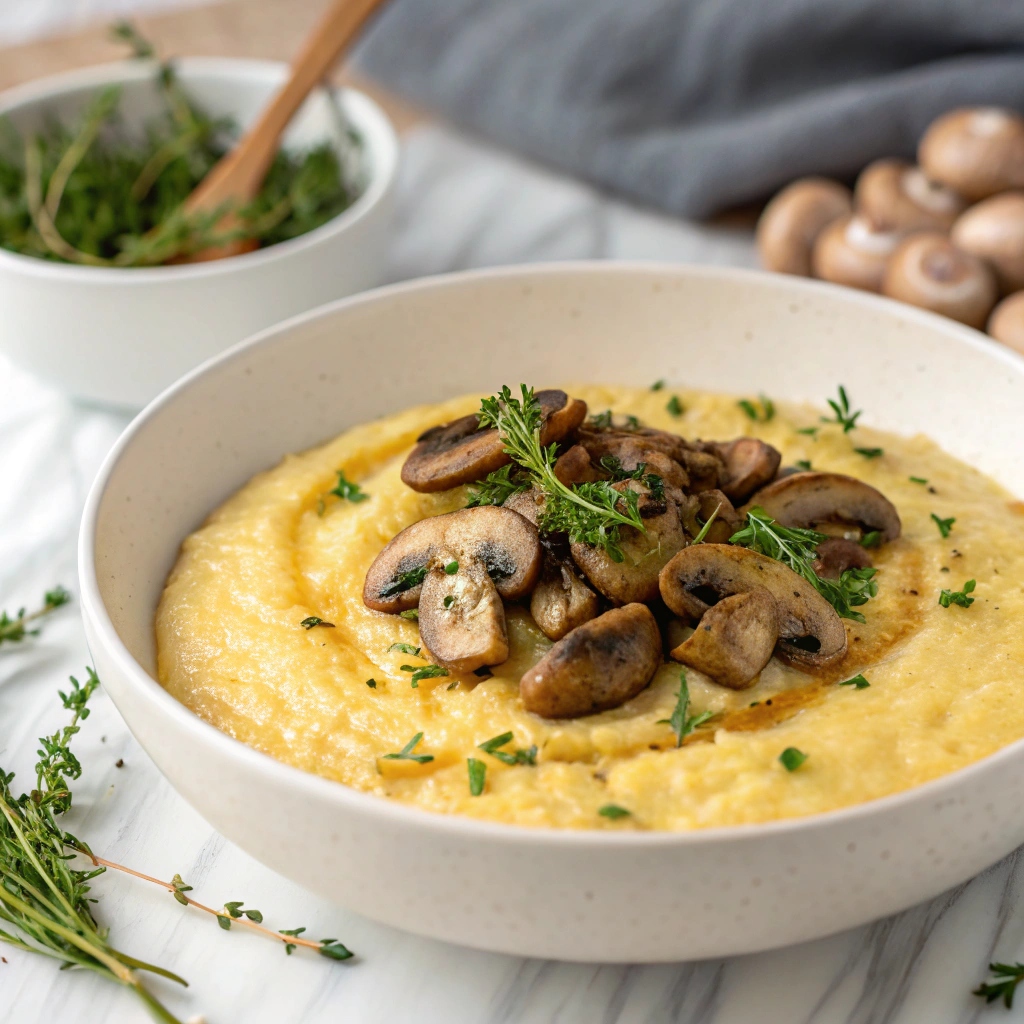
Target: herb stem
[[294, 940]]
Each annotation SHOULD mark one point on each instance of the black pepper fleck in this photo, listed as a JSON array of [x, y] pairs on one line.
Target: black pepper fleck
[[119, 763]]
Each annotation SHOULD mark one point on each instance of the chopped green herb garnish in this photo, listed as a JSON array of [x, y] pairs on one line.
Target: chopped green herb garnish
[[405, 581], [521, 756], [870, 453], [871, 539], [406, 753], [406, 649], [683, 724], [657, 385], [808, 431], [758, 413], [843, 416], [674, 406], [613, 811], [858, 681], [602, 420], [371, 683], [412, 614], [804, 464], [948, 597], [792, 758], [477, 775], [797, 548], [314, 620], [497, 487], [918, 480], [449, 600], [451, 568], [944, 525], [424, 672], [591, 513], [1006, 978], [348, 491], [703, 532]]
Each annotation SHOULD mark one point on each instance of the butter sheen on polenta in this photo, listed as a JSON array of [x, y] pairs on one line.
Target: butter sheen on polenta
[[945, 683]]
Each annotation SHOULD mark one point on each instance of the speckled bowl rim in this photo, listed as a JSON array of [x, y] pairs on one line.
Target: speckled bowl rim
[[343, 796]]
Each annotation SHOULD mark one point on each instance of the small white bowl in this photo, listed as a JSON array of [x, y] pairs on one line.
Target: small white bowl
[[598, 896], [120, 336]]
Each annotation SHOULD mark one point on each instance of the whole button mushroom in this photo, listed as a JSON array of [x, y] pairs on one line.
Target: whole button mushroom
[[809, 500], [596, 667], [793, 220], [810, 633], [1006, 324], [460, 452], [993, 230], [734, 639], [854, 252], [929, 271], [978, 151], [899, 197]]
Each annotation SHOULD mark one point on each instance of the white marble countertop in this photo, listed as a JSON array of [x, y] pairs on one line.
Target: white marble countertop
[[460, 206]]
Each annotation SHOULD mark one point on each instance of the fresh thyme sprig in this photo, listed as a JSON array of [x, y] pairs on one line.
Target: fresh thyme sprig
[[841, 408], [1006, 978], [681, 721], [497, 487], [797, 548], [590, 513], [16, 628], [44, 896]]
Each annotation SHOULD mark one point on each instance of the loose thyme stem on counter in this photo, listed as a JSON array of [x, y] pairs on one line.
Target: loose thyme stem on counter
[[13, 630]]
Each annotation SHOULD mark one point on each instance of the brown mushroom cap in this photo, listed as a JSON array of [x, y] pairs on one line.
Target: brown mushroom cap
[[897, 196], [462, 619], [927, 270], [597, 666], [811, 634], [635, 578], [837, 554], [793, 220], [460, 452], [561, 601], [854, 252], [502, 541], [808, 500], [749, 464], [734, 639], [993, 230], [978, 151], [1006, 324]]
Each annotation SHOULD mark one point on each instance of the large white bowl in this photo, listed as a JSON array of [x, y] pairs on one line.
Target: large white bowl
[[572, 895], [120, 336]]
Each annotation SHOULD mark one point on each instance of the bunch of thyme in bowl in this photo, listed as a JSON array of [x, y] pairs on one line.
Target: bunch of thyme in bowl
[[101, 195]]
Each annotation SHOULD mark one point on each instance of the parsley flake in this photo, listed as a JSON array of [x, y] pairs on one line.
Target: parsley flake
[[314, 620], [871, 539], [348, 491], [405, 649], [791, 758], [917, 480], [658, 385], [870, 453], [613, 811], [948, 597], [804, 464], [674, 406], [424, 672], [858, 682], [759, 412], [944, 525], [412, 614]]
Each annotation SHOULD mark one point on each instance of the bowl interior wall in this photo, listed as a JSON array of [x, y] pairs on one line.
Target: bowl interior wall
[[727, 331]]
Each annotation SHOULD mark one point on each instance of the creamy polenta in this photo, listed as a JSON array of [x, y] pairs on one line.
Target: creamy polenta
[[946, 684]]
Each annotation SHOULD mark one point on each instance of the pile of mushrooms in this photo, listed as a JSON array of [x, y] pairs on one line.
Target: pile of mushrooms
[[946, 235], [460, 568]]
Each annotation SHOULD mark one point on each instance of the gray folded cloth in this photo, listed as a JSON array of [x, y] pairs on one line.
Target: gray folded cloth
[[698, 105]]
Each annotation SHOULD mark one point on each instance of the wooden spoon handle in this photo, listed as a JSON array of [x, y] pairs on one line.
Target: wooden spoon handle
[[239, 176]]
